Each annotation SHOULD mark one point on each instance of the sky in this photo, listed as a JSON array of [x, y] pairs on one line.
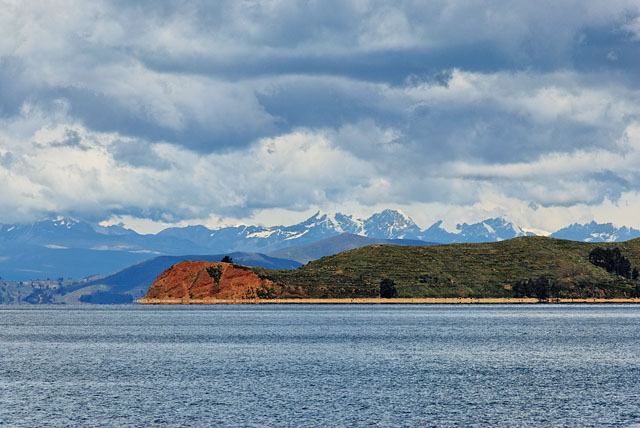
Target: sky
[[152, 113]]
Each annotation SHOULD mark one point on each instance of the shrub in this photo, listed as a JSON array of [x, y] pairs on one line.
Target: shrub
[[388, 289], [215, 272]]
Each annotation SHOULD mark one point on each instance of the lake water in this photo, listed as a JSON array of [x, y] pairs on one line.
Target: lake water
[[320, 366]]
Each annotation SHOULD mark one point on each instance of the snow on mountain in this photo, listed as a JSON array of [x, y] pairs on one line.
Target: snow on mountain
[[493, 229], [330, 223], [391, 224], [348, 224], [47, 231], [67, 222], [596, 232], [388, 224], [261, 234]]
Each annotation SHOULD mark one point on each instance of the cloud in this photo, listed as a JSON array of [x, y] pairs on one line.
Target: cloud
[[102, 174], [633, 28], [107, 173], [112, 108]]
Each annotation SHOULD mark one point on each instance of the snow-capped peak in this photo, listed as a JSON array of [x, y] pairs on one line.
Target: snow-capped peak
[[67, 222], [391, 224], [596, 232]]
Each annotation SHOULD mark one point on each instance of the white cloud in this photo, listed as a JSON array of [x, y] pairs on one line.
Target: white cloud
[[563, 95], [292, 170], [633, 28]]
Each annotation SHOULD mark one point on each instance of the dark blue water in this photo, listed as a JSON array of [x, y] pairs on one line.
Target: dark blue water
[[320, 366]]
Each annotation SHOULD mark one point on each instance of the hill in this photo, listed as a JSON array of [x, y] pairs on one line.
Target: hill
[[133, 282], [337, 244], [499, 269]]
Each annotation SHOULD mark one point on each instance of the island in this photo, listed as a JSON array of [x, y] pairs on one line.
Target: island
[[521, 270]]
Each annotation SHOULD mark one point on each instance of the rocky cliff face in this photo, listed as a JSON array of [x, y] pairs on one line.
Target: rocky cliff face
[[199, 281]]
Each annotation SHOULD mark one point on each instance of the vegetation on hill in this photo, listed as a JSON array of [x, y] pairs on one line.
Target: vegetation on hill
[[526, 266]]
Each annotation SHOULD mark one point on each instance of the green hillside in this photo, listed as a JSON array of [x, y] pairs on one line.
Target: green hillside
[[496, 269]]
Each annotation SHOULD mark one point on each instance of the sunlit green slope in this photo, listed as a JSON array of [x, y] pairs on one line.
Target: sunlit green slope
[[496, 269]]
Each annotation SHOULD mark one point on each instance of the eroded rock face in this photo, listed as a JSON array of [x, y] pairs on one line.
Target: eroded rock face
[[207, 281]]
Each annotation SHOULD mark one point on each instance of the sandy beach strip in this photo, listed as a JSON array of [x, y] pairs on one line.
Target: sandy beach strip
[[370, 301]]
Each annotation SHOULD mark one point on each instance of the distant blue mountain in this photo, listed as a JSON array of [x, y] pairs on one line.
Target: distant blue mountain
[[23, 262]]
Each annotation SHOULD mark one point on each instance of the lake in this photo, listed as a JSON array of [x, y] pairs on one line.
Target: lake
[[320, 365]]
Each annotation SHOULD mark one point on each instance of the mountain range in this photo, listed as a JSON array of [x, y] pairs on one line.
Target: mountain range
[[596, 232], [66, 247]]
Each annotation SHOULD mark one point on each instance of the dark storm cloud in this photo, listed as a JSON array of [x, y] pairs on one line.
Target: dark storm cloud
[[239, 42], [302, 38], [324, 102], [106, 113]]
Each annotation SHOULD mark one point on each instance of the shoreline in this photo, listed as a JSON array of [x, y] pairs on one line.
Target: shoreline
[[380, 301]]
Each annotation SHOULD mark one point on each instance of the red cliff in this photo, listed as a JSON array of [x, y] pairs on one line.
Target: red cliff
[[203, 282]]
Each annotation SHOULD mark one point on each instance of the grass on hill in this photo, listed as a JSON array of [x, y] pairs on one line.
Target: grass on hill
[[495, 269]]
